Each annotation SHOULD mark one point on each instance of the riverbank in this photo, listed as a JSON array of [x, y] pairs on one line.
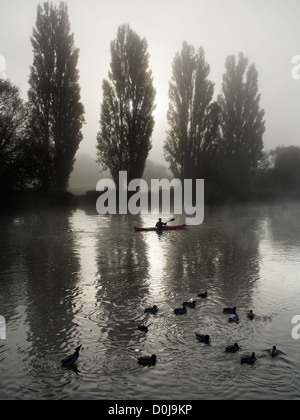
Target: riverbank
[[36, 200], [12, 202]]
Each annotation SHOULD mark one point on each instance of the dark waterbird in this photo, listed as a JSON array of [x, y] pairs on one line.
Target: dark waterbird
[[72, 359], [202, 295], [143, 328], [232, 348], [229, 310], [234, 318], [152, 310], [190, 304], [203, 338], [180, 311], [274, 351], [250, 315], [147, 360], [249, 358]]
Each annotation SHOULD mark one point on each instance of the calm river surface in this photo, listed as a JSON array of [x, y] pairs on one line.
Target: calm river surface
[[78, 278]]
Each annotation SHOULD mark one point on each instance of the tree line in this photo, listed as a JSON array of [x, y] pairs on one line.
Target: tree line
[[219, 140], [39, 138]]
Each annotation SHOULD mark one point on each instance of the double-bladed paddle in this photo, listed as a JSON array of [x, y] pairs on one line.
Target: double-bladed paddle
[[171, 220]]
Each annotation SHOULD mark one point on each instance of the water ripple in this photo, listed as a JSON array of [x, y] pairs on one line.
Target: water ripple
[[84, 279]]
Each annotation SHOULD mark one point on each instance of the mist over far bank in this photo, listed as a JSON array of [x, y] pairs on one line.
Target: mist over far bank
[[87, 173]]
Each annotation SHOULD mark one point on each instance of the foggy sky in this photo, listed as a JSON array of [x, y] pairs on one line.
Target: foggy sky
[[266, 31]]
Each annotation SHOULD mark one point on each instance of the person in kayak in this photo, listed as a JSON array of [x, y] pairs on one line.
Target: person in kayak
[[160, 224]]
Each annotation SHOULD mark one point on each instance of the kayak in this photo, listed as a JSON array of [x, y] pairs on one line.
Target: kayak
[[149, 229]]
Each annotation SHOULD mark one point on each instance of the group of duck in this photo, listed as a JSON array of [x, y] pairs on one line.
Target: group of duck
[[69, 361], [205, 338]]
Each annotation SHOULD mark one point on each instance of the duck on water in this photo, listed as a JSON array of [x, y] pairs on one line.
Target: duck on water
[[190, 304], [274, 351], [180, 311], [229, 310], [69, 361], [251, 315], [144, 328], [234, 318], [249, 358], [147, 360], [152, 310], [232, 348], [203, 338]]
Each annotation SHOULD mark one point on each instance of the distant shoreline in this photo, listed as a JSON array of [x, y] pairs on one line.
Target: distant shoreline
[[37, 200]]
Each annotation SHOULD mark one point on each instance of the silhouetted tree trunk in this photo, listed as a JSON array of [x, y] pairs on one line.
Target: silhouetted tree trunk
[[126, 122], [191, 116], [54, 96], [242, 123]]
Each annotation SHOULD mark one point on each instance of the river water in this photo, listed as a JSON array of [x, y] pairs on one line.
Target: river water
[[77, 278]]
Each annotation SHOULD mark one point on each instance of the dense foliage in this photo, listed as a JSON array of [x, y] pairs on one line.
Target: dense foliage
[[56, 113], [127, 122], [190, 144]]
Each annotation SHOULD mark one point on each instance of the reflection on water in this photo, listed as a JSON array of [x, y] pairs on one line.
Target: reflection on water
[[70, 279]]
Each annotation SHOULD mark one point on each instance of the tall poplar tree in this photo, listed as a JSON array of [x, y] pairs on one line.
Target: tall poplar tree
[[57, 115], [242, 121], [126, 121], [191, 116]]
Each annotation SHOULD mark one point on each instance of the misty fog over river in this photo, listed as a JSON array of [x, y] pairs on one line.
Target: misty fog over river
[[71, 278]]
